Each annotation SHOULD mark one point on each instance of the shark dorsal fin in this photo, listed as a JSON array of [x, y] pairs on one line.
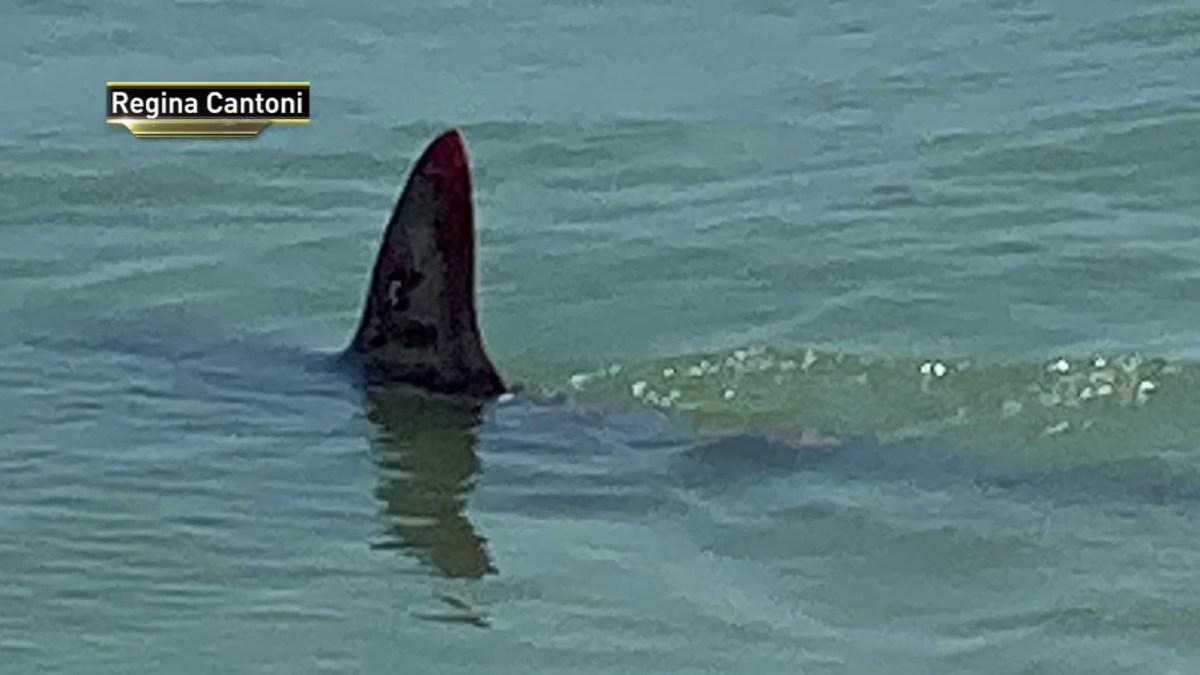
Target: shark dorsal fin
[[418, 324]]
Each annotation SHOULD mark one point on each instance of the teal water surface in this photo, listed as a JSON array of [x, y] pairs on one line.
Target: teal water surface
[[859, 338]]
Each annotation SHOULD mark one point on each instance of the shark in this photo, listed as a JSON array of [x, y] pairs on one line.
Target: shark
[[706, 425], [449, 438], [419, 325], [419, 329]]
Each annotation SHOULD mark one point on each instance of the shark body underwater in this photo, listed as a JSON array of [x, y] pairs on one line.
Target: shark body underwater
[[1071, 431], [418, 365], [419, 328]]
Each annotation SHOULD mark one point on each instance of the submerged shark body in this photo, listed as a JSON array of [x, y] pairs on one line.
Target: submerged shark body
[[419, 328], [1071, 431], [418, 324]]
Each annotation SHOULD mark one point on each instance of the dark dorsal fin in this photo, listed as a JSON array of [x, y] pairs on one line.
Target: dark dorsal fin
[[418, 325]]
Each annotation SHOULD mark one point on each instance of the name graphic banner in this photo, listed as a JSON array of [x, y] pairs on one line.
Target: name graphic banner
[[205, 109]]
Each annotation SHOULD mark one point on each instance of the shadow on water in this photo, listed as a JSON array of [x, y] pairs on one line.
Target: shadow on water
[[425, 448], [1057, 471]]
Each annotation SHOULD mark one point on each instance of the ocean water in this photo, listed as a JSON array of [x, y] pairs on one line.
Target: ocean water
[[857, 338]]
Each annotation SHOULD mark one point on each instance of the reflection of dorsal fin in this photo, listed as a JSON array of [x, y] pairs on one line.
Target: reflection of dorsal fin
[[418, 325]]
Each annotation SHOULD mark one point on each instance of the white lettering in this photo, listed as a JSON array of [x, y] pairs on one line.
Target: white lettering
[[218, 103]]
